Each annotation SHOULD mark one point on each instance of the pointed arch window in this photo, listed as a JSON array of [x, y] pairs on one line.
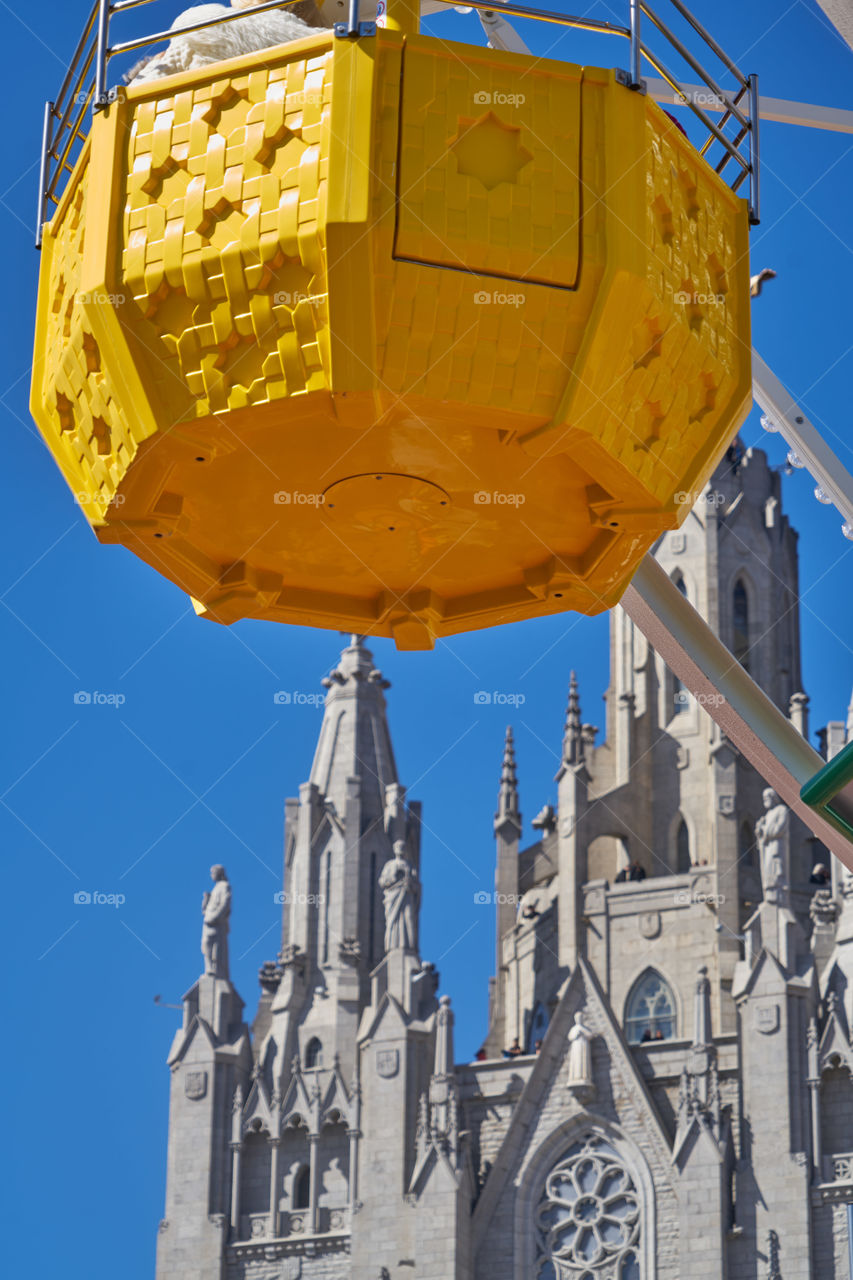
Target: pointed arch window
[[746, 843], [650, 1010], [740, 624], [302, 1188], [683, 860], [680, 696], [588, 1220], [313, 1054], [538, 1026]]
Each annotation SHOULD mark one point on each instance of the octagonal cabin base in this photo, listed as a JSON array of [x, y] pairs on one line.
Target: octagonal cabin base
[[391, 335]]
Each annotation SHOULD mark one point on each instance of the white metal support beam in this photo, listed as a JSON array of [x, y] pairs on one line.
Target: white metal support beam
[[731, 697], [780, 110], [804, 438]]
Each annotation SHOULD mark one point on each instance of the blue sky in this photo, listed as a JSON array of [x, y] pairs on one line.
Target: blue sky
[[193, 767]]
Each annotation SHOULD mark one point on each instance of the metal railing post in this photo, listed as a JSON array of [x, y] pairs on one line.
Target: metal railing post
[[46, 144], [352, 18], [636, 47], [100, 99], [754, 156]]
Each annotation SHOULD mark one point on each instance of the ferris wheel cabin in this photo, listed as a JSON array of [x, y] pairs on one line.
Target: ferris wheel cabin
[[383, 333]]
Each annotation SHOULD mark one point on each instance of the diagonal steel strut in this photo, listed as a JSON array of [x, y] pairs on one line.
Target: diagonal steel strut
[[745, 714]]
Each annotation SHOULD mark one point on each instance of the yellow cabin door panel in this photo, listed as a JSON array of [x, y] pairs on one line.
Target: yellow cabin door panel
[[489, 173]]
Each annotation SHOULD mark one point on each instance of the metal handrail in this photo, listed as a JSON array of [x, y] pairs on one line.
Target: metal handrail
[[219, 21], [85, 89], [697, 66]]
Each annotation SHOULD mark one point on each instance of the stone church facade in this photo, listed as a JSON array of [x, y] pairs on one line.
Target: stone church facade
[[680, 1104]]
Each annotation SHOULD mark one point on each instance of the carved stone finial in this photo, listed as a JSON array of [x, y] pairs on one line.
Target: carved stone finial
[[508, 790], [269, 976], [573, 739], [545, 820]]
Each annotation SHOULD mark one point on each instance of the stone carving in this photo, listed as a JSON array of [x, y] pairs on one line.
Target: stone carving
[[701, 887], [349, 951], [580, 1054], [593, 900], [292, 956], [773, 1271], [269, 976], [726, 804], [649, 923], [767, 1019], [195, 1084], [387, 1062], [823, 909], [401, 891], [216, 908], [772, 832]]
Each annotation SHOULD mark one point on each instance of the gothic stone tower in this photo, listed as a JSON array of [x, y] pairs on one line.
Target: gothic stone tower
[[680, 1107], [327, 1144], [642, 901]]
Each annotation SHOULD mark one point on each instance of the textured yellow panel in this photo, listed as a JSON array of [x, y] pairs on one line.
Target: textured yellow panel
[[220, 231], [489, 177], [74, 397]]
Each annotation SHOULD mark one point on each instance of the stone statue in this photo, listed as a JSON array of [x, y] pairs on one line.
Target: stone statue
[[401, 890], [772, 834], [580, 1054], [216, 908]]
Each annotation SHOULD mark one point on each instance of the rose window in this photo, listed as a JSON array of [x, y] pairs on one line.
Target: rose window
[[588, 1220]]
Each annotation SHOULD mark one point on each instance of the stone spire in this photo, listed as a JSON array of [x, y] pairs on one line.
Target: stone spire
[[442, 1091], [354, 740], [508, 791], [573, 742], [350, 820], [850, 720], [699, 1090], [702, 1010]]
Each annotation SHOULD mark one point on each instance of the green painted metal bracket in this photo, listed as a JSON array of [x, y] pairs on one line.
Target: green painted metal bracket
[[830, 791]]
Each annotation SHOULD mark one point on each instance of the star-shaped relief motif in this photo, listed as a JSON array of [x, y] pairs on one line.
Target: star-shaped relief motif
[[489, 150]]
